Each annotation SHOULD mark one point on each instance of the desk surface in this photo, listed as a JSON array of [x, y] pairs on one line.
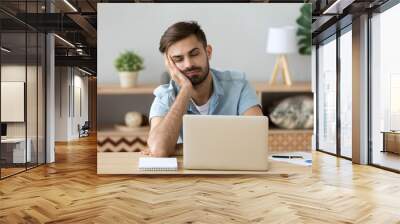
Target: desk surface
[[127, 163], [13, 140], [391, 132]]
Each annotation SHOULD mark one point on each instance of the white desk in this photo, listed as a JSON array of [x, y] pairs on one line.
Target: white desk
[[18, 150]]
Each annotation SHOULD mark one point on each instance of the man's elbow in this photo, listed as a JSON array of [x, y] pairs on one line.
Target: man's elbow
[[254, 111], [158, 150], [160, 153]]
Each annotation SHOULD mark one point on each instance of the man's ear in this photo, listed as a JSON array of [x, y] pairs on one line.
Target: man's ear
[[209, 51]]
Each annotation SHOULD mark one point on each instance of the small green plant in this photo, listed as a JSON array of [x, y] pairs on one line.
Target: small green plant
[[304, 30], [129, 61]]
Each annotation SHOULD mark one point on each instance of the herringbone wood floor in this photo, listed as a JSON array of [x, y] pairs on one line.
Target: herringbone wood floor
[[69, 191]]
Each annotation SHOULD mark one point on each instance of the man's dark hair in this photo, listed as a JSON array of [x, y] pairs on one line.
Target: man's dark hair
[[179, 31]]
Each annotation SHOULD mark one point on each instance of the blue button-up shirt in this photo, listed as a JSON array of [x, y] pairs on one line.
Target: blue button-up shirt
[[232, 95]]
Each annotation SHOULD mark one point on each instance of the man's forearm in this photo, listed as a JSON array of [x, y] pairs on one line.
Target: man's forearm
[[162, 139]]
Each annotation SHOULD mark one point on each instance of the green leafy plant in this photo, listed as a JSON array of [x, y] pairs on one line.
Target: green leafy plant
[[129, 61], [304, 29]]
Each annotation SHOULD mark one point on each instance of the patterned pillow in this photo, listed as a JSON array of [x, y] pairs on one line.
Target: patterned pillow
[[293, 113]]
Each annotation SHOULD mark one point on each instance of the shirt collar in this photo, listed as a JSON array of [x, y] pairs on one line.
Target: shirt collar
[[218, 90]]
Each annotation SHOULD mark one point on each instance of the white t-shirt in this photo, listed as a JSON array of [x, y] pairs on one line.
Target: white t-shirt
[[203, 109]]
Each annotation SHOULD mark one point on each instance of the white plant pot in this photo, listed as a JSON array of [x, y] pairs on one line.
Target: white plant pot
[[128, 79]]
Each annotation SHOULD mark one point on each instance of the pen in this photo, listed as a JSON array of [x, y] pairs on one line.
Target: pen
[[287, 157]]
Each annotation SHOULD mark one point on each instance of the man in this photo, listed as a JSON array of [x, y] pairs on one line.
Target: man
[[194, 88]]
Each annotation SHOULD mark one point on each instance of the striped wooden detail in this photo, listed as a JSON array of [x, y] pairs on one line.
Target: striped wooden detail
[[289, 141], [122, 144], [278, 140]]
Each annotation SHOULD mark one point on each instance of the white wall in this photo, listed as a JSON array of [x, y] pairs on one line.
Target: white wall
[[17, 73], [68, 83], [61, 103], [79, 117], [237, 32]]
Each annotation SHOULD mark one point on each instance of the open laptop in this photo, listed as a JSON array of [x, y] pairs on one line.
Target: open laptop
[[220, 142]]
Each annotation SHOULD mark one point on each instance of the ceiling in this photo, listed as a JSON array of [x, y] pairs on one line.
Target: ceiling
[[332, 15]]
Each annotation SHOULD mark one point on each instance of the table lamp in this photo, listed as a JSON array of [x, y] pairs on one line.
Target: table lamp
[[281, 41]]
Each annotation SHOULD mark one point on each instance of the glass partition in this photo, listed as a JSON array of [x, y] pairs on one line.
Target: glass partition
[[22, 77], [13, 105], [346, 94], [327, 96], [385, 89]]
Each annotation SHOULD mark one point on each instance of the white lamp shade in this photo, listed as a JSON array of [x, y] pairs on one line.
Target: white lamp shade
[[281, 40]]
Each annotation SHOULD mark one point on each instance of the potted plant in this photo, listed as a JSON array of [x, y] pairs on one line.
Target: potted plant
[[128, 65], [304, 29]]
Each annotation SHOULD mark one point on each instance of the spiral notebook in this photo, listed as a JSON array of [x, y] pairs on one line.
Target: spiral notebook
[[157, 164]]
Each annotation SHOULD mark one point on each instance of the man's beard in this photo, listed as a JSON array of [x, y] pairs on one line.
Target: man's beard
[[201, 77]]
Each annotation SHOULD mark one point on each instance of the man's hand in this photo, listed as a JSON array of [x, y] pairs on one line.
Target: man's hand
[[176, 75]]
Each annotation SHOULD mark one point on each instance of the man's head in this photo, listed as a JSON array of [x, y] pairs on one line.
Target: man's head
[[186, 44]]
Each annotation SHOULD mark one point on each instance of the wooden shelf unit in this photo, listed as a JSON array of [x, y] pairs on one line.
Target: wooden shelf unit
[[265, 87], [260, 87], [117, 90], [114, 132], [289, 131], [279, 139]]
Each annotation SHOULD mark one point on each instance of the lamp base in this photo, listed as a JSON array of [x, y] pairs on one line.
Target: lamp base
[[281, 62]]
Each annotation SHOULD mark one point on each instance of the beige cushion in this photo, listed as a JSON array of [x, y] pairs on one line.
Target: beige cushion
[[293, 113]]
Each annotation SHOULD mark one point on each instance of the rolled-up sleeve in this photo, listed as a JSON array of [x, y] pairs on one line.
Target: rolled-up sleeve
[[160, 105], [158, 108], [248, 98], [164, 96]]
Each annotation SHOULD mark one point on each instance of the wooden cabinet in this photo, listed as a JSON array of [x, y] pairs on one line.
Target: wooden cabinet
[[278, 139], [283, 140], [391, 142]]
